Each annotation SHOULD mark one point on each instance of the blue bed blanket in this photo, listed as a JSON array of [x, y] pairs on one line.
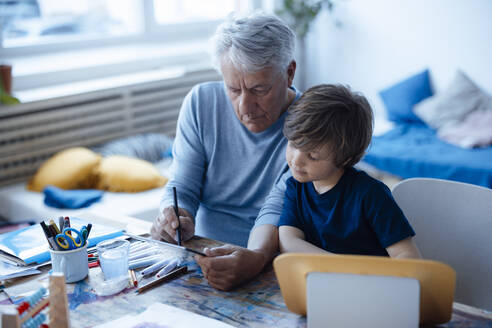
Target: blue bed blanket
[[411, 150]]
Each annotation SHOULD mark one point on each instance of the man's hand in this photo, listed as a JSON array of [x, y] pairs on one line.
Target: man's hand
[[166, 223], [227, 266]]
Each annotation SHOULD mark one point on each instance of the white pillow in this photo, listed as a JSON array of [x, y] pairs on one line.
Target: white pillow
[[475, 131], [452, 105]]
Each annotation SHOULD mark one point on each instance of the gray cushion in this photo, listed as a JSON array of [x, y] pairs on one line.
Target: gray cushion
[[452, 105], [150, 147]]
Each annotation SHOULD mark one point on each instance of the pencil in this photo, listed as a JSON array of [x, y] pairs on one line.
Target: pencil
[[53, 224], [52, 230], [67, 224], [171, 275], [61, 222], [94, 264], [133, 278], [155, 267], [89, 227], [150, 240], [168, 268], [49, 236], [176, 210]]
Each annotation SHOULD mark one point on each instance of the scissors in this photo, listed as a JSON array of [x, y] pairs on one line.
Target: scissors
[[71, 238]]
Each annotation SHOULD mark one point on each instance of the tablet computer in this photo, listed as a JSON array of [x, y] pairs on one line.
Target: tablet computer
[[437, 280]]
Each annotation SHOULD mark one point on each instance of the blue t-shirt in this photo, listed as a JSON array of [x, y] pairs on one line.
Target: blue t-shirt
[[357, 216]]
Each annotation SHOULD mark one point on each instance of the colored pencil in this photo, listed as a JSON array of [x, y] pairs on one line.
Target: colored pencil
[[160, 242], [171, 275], [53, 224], [93, 264], [133, 278]]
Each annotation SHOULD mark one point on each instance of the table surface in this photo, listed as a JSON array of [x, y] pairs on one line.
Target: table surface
[[257, 303]]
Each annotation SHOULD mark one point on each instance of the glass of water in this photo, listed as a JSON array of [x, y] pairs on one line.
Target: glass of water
[[113, 256]]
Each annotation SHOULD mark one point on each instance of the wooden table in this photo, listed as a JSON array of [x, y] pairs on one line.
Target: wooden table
[[258, 303]]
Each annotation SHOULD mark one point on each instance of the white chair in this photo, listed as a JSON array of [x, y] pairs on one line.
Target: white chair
[[453, 224]]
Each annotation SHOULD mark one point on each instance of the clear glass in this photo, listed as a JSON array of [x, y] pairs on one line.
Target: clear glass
[[34, 22], [113, 257]]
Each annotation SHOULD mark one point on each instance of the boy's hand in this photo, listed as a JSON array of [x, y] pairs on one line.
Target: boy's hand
[[166, 223]]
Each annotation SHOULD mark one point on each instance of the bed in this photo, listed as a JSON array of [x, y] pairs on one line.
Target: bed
[[414, 150], [445, 134]]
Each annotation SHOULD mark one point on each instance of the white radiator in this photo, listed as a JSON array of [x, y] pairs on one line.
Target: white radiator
[[32, 132]]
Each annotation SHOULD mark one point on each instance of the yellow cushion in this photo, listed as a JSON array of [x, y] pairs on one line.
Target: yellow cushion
[[69, 169], [126, 174]]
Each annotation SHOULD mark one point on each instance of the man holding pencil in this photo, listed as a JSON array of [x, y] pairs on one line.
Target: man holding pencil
[[229, 152]]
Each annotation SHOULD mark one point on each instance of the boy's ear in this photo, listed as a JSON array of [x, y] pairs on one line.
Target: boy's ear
[[291, 71], [348, 160]]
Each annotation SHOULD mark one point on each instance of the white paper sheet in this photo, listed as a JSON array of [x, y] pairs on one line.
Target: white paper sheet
[[9, 271], [161, 315]]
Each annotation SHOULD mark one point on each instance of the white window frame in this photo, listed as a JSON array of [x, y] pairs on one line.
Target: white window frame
[[151, 32], [186, 38]]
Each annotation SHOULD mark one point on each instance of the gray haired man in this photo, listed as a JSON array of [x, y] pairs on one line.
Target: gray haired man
[[230, 167]]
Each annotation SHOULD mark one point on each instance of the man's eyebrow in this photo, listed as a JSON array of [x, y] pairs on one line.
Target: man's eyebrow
[[261, 85]]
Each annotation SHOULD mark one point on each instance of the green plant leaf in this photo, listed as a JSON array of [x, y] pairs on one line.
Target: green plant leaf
[[7, 99], [300, 14]]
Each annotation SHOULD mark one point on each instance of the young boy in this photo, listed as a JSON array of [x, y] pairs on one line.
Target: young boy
[[330, 206]]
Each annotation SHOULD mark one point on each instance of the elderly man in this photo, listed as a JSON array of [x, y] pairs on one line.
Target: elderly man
[[229, 151]]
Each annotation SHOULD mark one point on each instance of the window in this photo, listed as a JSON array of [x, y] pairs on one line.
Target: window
[[54, 42], [34, 23], [170, 11]]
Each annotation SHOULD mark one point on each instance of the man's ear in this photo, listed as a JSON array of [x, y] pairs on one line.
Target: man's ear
[[291, 71]]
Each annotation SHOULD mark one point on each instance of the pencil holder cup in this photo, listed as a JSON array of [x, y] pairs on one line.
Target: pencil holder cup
[[73, 263]]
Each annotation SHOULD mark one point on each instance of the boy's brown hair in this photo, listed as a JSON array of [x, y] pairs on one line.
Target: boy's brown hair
[[334, 115]]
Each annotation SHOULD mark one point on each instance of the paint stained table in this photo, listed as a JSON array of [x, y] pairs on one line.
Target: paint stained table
[[258, 303]]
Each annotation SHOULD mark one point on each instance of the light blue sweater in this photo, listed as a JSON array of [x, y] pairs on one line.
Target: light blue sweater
[[227, 177]]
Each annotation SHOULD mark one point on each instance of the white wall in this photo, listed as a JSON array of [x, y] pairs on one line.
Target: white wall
[[384, 41]]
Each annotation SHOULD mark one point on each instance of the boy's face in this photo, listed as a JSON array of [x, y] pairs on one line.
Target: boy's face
[[317, 165]]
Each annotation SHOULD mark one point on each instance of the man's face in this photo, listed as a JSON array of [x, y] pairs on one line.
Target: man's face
[[259, 98]]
